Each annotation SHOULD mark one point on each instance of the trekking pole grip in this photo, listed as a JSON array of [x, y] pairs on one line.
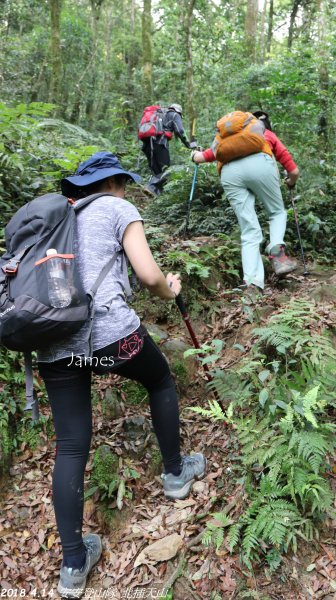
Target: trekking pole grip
[[181, 306]]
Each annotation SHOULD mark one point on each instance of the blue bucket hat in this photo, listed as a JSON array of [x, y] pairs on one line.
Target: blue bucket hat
[[99, 166]]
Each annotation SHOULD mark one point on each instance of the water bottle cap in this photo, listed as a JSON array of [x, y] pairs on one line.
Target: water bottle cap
[[51, 251]]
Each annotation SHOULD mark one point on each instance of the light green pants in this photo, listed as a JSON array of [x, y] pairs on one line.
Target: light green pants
[[243, 180]]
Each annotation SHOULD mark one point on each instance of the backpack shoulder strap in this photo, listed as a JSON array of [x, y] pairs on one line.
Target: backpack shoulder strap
[[105, 270], [126, 282], [85, 201], [31, 398]]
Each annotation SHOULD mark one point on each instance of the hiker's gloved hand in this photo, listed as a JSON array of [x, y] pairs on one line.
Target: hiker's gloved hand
[[197, 157], [292, 177], [193, 145], [174, 282]]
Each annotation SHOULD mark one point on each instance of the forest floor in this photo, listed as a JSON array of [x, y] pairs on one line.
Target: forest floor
[[30, 547]]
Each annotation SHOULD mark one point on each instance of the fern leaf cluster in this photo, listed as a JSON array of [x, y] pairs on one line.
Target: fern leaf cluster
[[279, 409]]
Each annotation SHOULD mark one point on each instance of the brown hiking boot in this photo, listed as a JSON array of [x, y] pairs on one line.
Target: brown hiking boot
[[281, 263]]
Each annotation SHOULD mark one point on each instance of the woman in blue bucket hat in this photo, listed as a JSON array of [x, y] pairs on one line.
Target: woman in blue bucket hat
[[120, 345]]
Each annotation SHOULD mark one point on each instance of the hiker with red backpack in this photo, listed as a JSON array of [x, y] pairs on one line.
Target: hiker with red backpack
[[156, 128], [248, 170], [63, 288]]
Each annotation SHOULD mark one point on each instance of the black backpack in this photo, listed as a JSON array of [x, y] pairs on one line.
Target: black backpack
[[28, 321]]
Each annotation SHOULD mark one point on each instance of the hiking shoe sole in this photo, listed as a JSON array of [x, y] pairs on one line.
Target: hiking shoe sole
[[285, 269]]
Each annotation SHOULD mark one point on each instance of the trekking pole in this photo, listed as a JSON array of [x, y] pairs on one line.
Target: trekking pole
[[182, 308], [190, 199], [138, 161], [291, 195], [193, 139]]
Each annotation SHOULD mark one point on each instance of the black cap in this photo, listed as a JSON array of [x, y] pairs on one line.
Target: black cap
[[264, 117]]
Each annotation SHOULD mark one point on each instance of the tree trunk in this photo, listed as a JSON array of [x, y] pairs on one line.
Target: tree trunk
[[96, 6], [55, 51], [309, 10], [147, 67], [324, 79], [262, 44], [270, 26], [190, 78], [251, 20], [293, 16], [131, 60]]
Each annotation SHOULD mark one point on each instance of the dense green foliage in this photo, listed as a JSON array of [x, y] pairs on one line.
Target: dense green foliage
[[74, 78], [280, 401], [108, 480], [210, 63]]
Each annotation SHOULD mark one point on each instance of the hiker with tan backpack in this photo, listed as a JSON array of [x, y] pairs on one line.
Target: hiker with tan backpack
[[248, 170]]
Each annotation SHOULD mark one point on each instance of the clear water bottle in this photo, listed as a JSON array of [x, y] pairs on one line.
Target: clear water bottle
[[58, 282]]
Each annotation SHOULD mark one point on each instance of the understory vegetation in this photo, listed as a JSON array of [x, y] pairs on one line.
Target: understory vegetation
[[74, 79], [281, 405]]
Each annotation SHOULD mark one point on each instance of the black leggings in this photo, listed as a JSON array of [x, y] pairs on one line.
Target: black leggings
[[69, 392], [157, 155]]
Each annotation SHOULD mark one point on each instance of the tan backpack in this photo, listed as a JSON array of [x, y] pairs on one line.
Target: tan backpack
[[239, 134]]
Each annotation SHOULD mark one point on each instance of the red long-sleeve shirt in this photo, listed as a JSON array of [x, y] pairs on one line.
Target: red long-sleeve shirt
[[279, 150]]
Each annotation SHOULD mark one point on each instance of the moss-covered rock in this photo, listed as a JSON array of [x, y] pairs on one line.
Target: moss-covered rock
[[5, 448], [325, 292], [35, 434], [154, 310], [105, 471], [137, 430], [6, 436], [155, 464], [156, 332], [183, 369], [134, 392], [111, 404]]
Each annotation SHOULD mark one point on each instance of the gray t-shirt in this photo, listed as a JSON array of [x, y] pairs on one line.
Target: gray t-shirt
[[100, 227]]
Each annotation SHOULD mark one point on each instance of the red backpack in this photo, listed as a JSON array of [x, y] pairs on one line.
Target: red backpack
[[151, 124]]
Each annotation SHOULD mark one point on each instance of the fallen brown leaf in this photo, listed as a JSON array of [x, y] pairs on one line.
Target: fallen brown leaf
[[163, 549], [51, 540], [10, 563]]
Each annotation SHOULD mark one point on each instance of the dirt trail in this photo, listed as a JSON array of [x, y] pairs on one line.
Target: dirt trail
[[29, 545]]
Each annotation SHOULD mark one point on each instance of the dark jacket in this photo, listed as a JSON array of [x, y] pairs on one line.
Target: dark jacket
[[173, 123]]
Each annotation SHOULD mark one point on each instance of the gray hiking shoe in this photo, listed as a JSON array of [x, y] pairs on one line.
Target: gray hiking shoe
[[177, 487], [72, 582], [281, 263]]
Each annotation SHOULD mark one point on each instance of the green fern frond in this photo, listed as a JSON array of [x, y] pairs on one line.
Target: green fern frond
[[250, 541], [207, 537], [234, 536], [215, 411], [230, 386], [312, 447], [270, 489], [309, 403], [218, 538], [222, 518], [214, 532]]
